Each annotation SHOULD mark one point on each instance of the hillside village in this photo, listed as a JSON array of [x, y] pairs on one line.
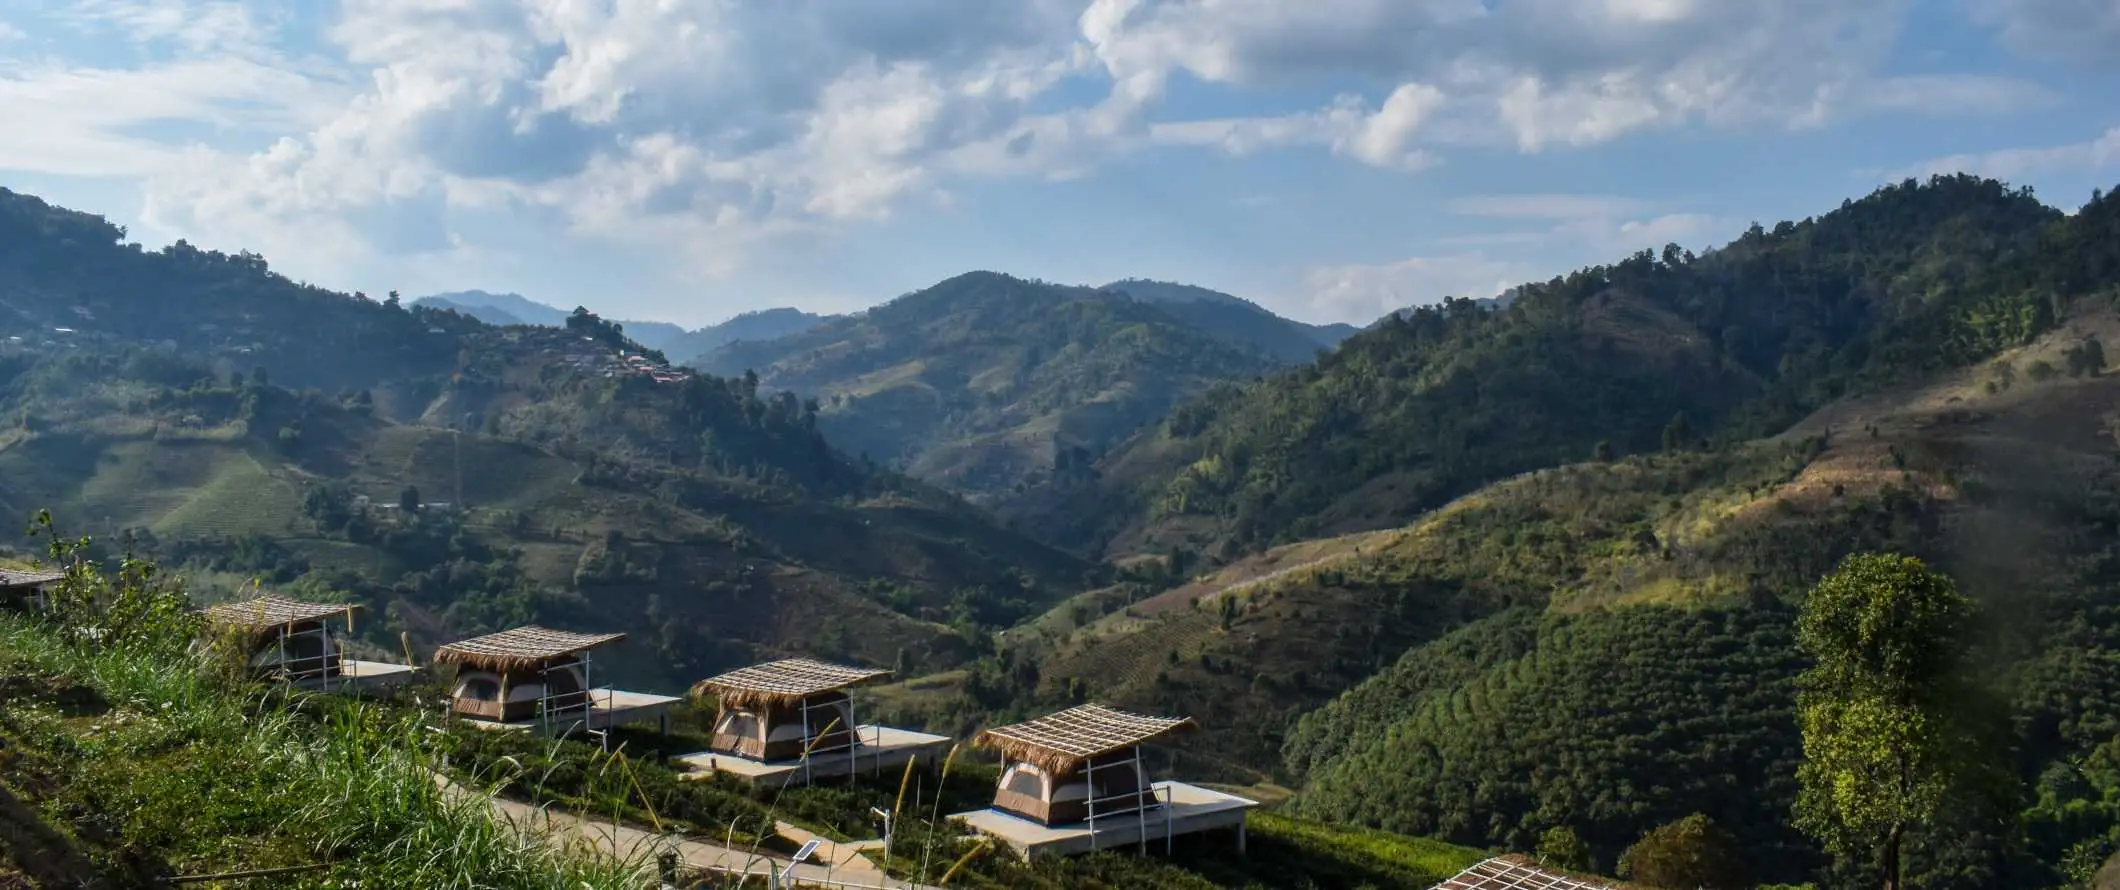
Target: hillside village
[[586, 355]]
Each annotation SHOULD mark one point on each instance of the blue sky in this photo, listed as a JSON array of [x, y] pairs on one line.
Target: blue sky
[[686, 160]]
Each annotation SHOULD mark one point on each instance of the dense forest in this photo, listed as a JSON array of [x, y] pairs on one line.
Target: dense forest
[[1737, 343], [986, 383]]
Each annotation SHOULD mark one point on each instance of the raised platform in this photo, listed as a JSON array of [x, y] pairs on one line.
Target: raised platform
[[607, 708], [357, 677], [882, 748], [1187, 809]]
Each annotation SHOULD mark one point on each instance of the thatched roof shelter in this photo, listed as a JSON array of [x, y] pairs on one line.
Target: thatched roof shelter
[[520, 648], [784, 682], [271, 612], [24, 578], [1062, 742]]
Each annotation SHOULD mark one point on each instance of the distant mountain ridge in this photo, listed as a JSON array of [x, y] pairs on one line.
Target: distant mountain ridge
[[513, 309], [1285, 339], [986, 382]]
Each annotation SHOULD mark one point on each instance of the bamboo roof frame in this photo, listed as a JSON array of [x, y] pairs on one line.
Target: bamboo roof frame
[[1510, 873], [17, 579], [1062, 741], [520, 648], [784, 682], [271, 612]]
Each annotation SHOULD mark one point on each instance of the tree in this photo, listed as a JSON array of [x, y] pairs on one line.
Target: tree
[[1560, 848], [1690, 853], [1877, 708], [258, 376], [409, 500], [1602, 453], [1678, 434]]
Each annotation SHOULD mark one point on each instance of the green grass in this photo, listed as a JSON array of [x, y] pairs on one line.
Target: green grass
[[1408, 861], [141, 767], [242, 498]]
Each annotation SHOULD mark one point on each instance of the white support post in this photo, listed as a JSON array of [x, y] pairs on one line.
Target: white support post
[[1138, 776]]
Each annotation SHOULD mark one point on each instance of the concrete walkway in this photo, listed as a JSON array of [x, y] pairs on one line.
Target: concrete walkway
[[833, 865]]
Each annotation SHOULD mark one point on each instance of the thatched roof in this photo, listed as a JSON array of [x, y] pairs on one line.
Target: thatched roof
[[27, 578], [787, 681], [1511, 873], [1059, 743], [270, 612], [520, 648]]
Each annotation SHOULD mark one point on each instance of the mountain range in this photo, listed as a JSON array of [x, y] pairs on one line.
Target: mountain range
[[1491, 572], [986, 384], [662, 336]]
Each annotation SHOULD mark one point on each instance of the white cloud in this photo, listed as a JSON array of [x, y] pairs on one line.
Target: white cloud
[[1956, 94], [98, 121], [2099, 154], [2084, 31], [1546, 206], [1371, 290], [1382, 138], [1542, 72], [10, 32], [718, 126], [1583, 230]]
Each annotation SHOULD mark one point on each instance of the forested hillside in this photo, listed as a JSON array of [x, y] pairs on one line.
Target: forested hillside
[[1290, 341], [985, 383], [1604, 647], [461, 477], [67, 278], [514, 309], [1734, 344]]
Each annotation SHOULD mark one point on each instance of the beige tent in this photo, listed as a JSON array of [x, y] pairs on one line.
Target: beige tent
[[25, 587], [785, 710], [521, 674], [1077, 765], [285, 638]]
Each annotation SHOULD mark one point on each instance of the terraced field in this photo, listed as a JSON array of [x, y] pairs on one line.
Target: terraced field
[[242, 498]]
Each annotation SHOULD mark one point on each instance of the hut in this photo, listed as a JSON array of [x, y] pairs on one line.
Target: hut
[[1074, 781], [792, 719], [24, 588], [292, 640], [535, 676]]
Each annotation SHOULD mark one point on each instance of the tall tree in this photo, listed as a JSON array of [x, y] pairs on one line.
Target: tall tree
[[1877, 707]]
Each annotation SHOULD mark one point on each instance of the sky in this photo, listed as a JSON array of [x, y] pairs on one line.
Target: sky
[[686, 160]]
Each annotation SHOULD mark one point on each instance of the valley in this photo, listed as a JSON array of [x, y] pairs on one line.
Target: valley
[[1480, 577]]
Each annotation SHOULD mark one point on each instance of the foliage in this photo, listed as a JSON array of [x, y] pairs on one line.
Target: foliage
[[1559, 848], [1609, 724], [1878, 704], [984, 383], [1689, 854], [146, 766], [1916, 277]]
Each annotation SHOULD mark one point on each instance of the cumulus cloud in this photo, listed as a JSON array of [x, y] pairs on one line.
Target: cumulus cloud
[[2083, 31], [714, 125], [1371, 290], [2098, 154], [1383, 138], [1576, 230]]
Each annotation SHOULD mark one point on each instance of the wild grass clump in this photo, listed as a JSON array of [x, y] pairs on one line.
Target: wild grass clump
[[198, 771]]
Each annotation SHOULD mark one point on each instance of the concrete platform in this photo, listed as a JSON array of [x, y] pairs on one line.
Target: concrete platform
[[1187, 809], [357, 677], [607, 708], [882, 748]]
